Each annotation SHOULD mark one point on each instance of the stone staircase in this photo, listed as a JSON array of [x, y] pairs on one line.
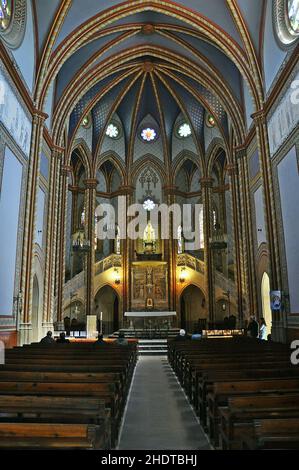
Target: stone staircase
[[152, 347]]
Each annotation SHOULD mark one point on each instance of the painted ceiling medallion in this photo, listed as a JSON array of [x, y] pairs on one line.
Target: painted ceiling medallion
[[210, 121], [112, 131], [86, 121], [184, 130], [6, 13], [148, 134], [149, 205], [13, 22]]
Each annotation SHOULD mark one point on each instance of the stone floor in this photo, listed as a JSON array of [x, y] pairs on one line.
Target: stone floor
[[158, 415]]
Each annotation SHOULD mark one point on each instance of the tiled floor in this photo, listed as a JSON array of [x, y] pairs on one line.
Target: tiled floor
[[158, 415]]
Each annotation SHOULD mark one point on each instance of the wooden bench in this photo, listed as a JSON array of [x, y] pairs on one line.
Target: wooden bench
[[273, 434], [51, 436], [236, 420], [222, 391]]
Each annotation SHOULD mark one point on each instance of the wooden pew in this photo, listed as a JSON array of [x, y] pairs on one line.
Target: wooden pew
[[51, 436], [222, 391], [273, 434], [236, 420], [69, 373]]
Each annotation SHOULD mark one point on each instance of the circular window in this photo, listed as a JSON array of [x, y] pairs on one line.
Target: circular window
[[286, 20], [12, 22], [210, 120], [112, 131], [293, 15], [148, 134], [5, 14], [184, 130], [149, 205]]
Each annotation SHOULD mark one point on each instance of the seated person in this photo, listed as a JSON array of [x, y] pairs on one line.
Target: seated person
[[48, 339], [67, 324], [62, 339], [121, 340], [197, 334], [100, 340], [182, 336], [232, 320]]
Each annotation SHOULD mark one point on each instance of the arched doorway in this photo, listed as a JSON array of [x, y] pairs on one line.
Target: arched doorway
[[107, 302], [193, 311], [36, 319], [266, 305]]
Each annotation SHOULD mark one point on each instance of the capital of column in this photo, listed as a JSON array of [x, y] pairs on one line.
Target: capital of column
[[232, 169], [259, 116], [127, 190], [169, 189], [206, 182], [39, 116], [73, 188], [241, 152], [91, 183], [66, 170], [57, 152]]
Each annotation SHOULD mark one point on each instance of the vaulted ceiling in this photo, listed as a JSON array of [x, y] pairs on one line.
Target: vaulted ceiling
[[146, 57]]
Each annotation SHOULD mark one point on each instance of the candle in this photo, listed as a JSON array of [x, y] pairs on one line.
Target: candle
[[101, 316]]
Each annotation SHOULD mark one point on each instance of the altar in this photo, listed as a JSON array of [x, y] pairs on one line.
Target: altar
[[149, 314], [151, 320]]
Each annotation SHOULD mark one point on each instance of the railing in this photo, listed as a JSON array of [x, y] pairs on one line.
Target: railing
[[189, 261], [112, 261]]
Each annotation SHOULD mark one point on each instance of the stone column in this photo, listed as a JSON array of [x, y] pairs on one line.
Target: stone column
[[232, 170], [90, 201], [246, 248], [170, 252], [269, 198], [25, 329], [127, 252], [60, 277], [206, 186], [51, 247]]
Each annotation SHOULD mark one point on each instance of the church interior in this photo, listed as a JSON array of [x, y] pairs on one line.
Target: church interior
[[149, 186]]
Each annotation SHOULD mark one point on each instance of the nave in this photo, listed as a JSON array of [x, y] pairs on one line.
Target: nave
[[158, 414]]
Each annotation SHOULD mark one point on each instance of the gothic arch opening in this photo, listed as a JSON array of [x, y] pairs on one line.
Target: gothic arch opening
[[36, 311], [266, 305], [107, 307], [193, 311]]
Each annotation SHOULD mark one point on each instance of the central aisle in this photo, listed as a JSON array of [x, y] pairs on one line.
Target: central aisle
[[158, 415]]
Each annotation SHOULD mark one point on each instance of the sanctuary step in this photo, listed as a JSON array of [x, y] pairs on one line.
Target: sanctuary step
[[147, 333], [152, 347]]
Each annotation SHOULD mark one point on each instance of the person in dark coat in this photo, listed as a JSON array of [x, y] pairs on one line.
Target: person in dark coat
[[62, 339], [182, 336], [253, 327], [48, 339], [100, 340]]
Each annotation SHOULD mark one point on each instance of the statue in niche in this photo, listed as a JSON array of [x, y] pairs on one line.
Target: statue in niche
[[149, 239], [180, 240]]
